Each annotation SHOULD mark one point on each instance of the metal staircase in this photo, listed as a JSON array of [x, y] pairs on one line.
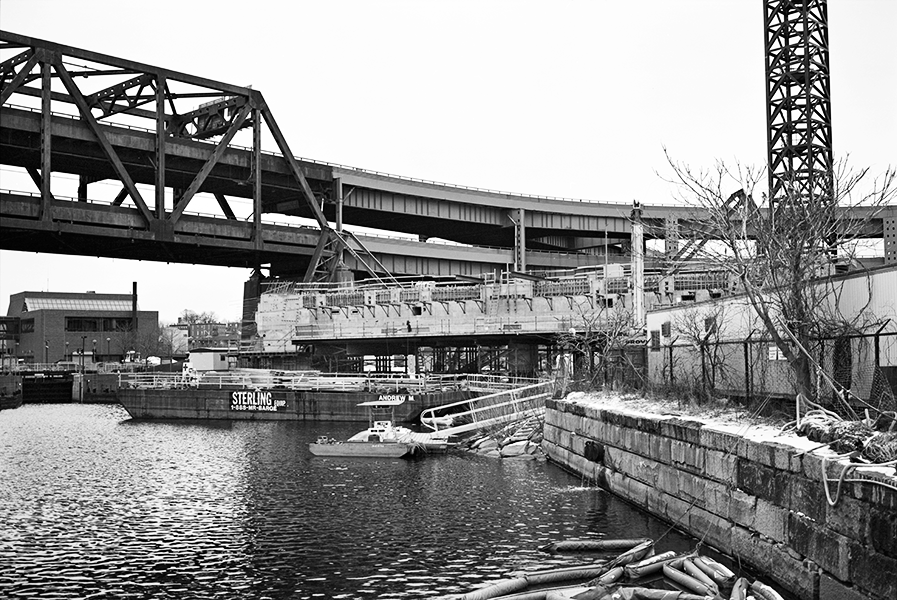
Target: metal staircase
[[487, 411]]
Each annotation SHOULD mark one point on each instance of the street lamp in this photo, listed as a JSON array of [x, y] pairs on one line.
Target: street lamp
[[107, 348], [81, 379], [46, 352], [66, 357]]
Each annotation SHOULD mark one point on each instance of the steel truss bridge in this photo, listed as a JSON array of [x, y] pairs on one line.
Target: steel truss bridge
[[167, 138]]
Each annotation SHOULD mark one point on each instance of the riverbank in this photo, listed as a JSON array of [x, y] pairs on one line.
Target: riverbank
[[741, 486]]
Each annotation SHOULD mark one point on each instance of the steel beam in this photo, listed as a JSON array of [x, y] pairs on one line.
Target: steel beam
[[160, 146], [86, 116], [257, 176], [207, 121], [225, 207], [317, 256], [120, 63], [8, 66], [107, 100], [19, 78], [197, 182], [46, 145], [281, 142]]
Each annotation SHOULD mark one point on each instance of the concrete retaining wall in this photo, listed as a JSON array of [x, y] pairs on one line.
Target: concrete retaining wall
[[760, 501]]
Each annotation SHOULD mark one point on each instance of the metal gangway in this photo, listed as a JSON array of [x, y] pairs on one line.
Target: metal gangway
[[487, 411]]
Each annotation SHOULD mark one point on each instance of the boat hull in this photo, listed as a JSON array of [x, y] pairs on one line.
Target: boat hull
[[273, 404], [363, 449]]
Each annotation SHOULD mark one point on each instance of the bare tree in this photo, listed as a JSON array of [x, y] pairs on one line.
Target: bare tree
[[145, 342], [172, 341], [192, 317], [701, 329], [784, 252], [598, 342]]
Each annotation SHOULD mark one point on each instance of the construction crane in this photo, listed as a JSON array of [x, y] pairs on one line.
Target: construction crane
[[798, 100]]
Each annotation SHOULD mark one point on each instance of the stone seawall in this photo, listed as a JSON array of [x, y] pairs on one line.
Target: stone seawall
[[753, 496]]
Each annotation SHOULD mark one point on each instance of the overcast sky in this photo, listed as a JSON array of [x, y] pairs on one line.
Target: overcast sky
[[572, 99]]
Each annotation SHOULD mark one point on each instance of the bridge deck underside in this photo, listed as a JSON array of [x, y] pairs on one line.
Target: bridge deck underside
[[229, 242], [482, 219], [76, 151], [84, 229]]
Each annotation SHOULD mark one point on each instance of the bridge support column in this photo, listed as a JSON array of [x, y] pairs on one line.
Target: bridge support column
[[519, 240], [338, 198], [889, 233], [671, 237], [638, 266], [343, 274]]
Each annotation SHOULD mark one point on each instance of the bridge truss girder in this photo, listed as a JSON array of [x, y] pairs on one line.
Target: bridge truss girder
[[108, 85]]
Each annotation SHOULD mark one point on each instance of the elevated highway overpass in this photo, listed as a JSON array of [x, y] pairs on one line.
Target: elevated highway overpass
[[557, 233]]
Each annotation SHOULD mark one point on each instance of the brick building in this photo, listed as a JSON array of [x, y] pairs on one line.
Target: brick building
[[46, 327], [214, 335]]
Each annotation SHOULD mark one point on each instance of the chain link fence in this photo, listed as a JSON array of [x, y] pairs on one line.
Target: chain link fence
[[862, 367]]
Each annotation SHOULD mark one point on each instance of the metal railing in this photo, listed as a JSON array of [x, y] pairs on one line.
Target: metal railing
[[383, 383], [30, 367], [489, 410]]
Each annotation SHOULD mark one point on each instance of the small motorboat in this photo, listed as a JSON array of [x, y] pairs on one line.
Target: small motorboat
[[370, 448], [381, 439]]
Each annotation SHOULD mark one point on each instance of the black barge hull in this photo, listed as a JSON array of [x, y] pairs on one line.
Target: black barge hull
[[274, 404]]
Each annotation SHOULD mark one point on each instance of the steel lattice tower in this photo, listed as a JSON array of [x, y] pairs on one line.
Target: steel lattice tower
[[798, 99]]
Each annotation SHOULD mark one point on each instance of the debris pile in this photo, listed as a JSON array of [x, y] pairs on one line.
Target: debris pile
[[636, 574], [520, 440], [874, 441]]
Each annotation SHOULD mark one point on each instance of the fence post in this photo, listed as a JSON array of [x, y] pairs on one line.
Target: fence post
[[747, 371], [703, 368], [671, 364]]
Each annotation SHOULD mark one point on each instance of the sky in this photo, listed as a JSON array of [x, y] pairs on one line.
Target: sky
[[559, 98]]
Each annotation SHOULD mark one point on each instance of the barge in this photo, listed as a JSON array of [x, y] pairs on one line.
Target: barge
[[289, 396]]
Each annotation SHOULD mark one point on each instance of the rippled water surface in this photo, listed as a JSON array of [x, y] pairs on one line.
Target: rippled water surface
[[93, 504]]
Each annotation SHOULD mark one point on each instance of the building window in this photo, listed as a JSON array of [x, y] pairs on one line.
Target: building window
[[27, 326], [81, 324], [94, 324], [655, 340], [118, 324]]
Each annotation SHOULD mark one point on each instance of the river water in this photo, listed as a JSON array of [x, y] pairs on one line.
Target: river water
[[95, 505]]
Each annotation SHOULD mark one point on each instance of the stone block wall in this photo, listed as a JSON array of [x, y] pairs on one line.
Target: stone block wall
[[758, 500]]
